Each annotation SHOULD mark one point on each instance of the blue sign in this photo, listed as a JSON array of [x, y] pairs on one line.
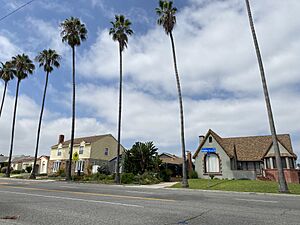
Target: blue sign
[[208, 150]]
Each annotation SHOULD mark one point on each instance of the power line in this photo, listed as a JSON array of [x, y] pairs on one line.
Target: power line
[[17, 9]]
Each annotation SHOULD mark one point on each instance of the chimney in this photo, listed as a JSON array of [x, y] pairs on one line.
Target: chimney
[[189, 161], [201, 138], [61, 139]]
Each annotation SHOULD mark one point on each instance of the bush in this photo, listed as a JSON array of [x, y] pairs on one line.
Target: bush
[[28, 169], [193, 175], [23, 171], [165, 175], [127, 178], [16, 172], [103, 169], [3, 169], [61, 173], [149, 178]]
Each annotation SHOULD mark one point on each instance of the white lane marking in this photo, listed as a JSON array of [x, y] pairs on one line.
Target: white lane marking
[[140, 192], [73, 199], [69, 187], [255, 200]]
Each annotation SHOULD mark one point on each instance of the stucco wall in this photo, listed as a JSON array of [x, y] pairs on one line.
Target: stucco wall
[[98, 148], [225, 166]]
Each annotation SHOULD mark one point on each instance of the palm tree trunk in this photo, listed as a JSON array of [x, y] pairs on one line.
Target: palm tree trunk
[[33, 173], [184, 167], [118, 180], [69, 177], [281, 179], [3, 97], [13, 130]]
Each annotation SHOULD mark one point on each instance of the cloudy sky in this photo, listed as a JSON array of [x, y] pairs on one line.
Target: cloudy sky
[[220, 78]]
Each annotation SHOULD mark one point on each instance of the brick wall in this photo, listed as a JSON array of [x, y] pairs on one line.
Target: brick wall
[[291, 175]]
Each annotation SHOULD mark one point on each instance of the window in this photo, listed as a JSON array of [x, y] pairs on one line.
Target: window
[[274, 163], [212, 163], [291, 163], [79, 166], [59, 152], [268, 166], [81, 150], [210, 140], [56, 166], [106, 151], [283, 163]]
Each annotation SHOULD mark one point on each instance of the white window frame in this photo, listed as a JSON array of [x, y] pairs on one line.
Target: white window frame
[[81, 150], [79, 165], [208, 166], [56, 166]]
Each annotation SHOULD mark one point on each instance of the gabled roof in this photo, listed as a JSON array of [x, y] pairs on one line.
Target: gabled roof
[[251, 148], [23, 159], [89, 140], [170, 159]]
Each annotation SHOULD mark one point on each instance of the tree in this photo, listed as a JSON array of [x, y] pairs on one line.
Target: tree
[[73, 32], [47, 59], [167, 19], [22, 66], [141, 157], [6, 74], [120, 31], [281, 179]]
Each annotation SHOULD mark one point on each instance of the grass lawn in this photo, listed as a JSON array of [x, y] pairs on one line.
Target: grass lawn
[[238, 185]]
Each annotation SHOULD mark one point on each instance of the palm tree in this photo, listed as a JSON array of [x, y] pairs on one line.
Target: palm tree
[[73, 32], [47, 59], [120, 31], [6, 74], [281, 179], [22, 66], [167, 19]]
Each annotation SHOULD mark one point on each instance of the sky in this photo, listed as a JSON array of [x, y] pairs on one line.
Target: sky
[[217, 65]]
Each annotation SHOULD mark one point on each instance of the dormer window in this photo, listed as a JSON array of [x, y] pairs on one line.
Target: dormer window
[[210, 139], [81, 148]]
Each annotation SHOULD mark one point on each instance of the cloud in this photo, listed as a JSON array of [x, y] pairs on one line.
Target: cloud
[[8, 48]]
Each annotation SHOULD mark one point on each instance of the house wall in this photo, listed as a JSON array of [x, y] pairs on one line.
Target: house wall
[[225, 166], [282, 150], [43, 165], [65, 152], [98, 148], [291, 175]]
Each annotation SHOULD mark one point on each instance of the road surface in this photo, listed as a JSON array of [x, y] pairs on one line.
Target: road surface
[[44, 203]]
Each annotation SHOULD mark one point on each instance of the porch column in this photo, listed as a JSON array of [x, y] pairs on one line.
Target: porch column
[[287, 163], [271, 163]]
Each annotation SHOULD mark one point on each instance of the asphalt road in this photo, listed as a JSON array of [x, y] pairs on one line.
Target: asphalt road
[[44, 203]]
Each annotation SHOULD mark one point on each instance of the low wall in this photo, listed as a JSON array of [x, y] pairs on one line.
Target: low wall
[[291, 175], [244, 174]]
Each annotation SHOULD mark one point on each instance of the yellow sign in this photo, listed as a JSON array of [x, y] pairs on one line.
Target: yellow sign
[[75, 156]]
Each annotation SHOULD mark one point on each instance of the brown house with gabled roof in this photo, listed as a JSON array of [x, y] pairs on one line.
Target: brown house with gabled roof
[[244, 157]]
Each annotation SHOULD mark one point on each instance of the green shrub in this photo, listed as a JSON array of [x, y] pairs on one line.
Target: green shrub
[[103, 169], [42, 174], [23, 171], [149, 178], [127, 178], [193, 175], [28, 169], [165, 174], [61, 173], [16, 172], [3, 169]]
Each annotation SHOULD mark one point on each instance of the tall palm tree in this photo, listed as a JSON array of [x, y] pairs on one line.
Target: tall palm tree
[[281, 179], [167, 19], [22, 67], [6, 74], [73, 32], [47, 59], [120, 31]]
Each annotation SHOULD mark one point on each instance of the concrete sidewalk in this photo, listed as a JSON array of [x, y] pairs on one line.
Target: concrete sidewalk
[[154, 186]]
